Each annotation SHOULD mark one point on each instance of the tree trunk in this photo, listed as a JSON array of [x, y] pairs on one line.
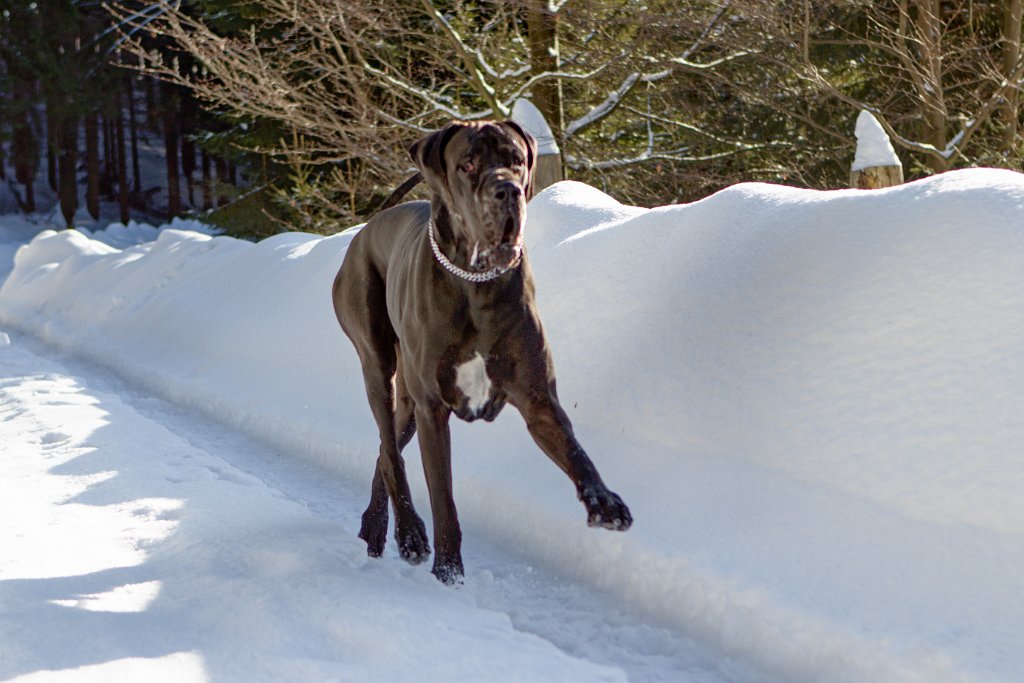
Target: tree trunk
[[221, 165], [188, 166], [207, 190], [92, 164], [169, 107], [188, 147], [152, 112], [542, 35], [67, 180], [136, 175], [107, 176], [929, 31], [51, 147], [24, 157], [1013, 15], [122, 166]]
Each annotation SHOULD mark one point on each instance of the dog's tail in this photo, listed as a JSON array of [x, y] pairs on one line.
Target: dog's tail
[[400, 192]]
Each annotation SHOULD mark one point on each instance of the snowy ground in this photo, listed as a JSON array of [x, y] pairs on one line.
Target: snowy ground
[[813, 403], [144, 542]]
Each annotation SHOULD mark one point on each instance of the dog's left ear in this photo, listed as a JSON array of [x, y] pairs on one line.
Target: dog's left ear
[[428, 154], [531, 153]]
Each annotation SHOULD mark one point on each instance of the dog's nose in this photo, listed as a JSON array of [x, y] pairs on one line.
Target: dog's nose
[[507, 190]]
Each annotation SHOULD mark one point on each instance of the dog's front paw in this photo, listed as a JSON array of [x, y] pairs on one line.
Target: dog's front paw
[[605, 509], [448, 571], [411, 537]]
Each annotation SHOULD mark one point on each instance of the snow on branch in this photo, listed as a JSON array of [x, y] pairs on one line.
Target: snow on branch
[[677, 154], [606, 107], [547, 75], [615, 97], [703, 66], [426, 96], [474, 69]]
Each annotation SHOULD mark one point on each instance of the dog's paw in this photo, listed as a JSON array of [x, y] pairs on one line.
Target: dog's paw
[[374, 531], [411, 536], [448, 572], [605, 509]]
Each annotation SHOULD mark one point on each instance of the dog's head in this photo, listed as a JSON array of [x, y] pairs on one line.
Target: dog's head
[[481, 174]]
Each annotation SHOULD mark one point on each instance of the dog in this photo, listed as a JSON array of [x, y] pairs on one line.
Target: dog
[[438, 299]]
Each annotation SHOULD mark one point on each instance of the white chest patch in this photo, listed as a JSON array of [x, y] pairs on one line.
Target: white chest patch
[[472, 380]]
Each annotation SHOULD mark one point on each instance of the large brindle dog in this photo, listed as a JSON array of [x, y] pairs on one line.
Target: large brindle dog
[[438, 300]]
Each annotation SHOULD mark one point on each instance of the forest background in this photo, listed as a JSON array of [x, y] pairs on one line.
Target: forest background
[[296, 114]]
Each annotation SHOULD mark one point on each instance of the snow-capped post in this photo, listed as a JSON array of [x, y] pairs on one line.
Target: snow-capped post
[[875, 164], [549, 157]]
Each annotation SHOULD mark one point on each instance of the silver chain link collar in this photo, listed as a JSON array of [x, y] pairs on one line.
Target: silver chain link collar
[[485, 276]]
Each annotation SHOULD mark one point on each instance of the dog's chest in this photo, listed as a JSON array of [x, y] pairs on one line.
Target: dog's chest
[[475, 391], [472, 380]]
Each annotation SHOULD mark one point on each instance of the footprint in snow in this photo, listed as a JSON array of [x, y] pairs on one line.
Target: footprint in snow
[[53, 438]]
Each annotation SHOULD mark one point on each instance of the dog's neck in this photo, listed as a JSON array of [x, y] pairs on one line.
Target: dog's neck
[[446, 252]]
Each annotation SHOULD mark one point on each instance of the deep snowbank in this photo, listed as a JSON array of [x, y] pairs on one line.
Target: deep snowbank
[[16, 229], [812, 402]]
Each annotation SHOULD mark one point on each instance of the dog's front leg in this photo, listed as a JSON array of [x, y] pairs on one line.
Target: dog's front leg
[[436, 451], [550, 428]]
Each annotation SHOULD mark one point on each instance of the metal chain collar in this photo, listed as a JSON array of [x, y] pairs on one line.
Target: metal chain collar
[[485, 276]]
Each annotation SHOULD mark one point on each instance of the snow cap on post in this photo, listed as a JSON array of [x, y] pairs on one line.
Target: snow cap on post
[[526, 114], [875, 164], [549, 158]]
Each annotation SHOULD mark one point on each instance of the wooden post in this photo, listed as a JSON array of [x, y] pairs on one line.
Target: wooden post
[[549, 157], [875, 164]]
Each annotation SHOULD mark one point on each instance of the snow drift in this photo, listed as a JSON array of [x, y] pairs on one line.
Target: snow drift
[[813, 403]]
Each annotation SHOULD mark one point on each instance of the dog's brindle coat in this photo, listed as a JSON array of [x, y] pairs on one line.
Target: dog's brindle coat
[[432, 344]]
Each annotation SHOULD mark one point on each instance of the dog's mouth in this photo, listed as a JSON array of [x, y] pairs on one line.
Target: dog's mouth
[[504, 254]]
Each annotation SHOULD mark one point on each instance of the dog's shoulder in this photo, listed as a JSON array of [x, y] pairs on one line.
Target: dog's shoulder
[[388, 237]]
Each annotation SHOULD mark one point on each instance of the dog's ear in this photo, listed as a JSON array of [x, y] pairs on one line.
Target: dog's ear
[[428, 154], [531, 153]]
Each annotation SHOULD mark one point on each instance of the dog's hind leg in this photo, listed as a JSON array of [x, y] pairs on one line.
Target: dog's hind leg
[[409, 531], [362, 312], [389, 480], [405, 408], [374, 528]]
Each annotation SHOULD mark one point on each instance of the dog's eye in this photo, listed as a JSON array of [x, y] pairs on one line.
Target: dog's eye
[[468, 167], [517, 160]]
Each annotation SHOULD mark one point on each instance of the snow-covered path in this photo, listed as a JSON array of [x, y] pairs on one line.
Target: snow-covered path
[[142, 541]]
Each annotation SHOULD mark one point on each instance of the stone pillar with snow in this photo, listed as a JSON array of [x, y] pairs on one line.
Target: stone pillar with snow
[[549, 157], [875, 164]]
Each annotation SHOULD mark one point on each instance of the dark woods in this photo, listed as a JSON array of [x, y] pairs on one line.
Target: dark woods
[[75, 121]]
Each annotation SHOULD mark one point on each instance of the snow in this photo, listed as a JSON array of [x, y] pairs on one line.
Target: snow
[[526, 114], [17, 229], [873, 145], [811, 402], [149, 557]]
